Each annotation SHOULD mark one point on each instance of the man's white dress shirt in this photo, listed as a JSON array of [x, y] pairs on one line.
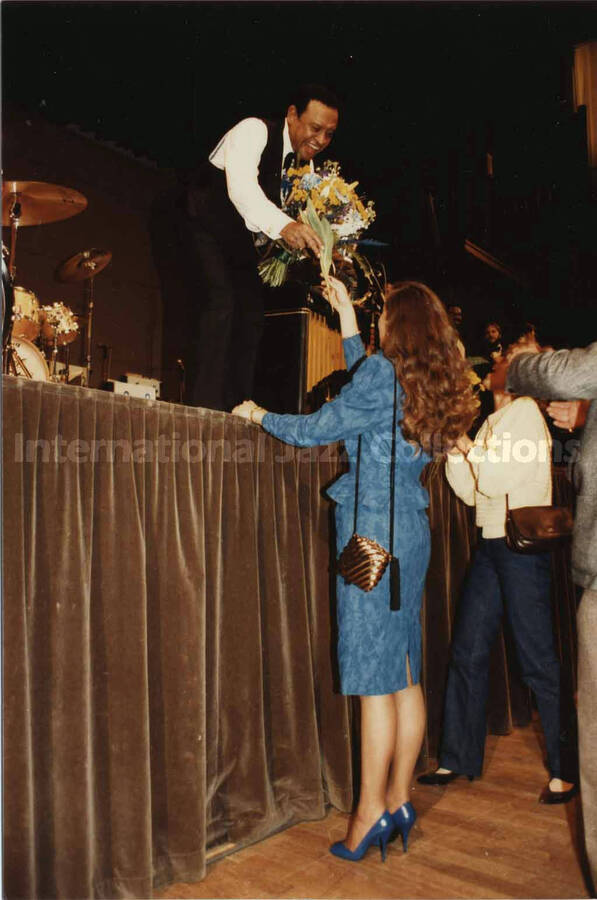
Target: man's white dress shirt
[[239, 154]]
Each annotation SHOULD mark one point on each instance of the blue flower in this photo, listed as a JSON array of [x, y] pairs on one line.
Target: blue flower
[[308, 182]]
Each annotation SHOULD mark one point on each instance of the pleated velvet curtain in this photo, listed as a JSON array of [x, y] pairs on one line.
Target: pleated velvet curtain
[[169, 672]]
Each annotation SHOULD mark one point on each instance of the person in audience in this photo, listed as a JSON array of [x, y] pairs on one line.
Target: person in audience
[[455, 316], [491, 348], [571, 375], [507, 464], [493, 340], [379, 648]]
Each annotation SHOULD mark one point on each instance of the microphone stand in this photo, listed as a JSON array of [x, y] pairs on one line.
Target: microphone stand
[[181, 382], [86, 378]]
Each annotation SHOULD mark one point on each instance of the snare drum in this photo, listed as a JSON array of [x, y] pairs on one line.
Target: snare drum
[[26, 314], [28, 361]]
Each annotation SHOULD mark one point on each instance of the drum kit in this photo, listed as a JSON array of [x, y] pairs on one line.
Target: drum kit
[[34, 335]]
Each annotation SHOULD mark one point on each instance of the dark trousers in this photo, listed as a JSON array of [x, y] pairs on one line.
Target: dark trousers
[[229, 318], [499, 581]]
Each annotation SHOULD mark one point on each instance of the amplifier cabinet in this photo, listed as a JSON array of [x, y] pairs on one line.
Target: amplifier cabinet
[[298, 349]]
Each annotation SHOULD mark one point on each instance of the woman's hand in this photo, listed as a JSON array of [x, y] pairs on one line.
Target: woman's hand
[[249, 410], [336, 294], [244, 409], [462, 445]]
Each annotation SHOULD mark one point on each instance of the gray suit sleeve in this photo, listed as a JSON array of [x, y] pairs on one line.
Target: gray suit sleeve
[[555, 374]]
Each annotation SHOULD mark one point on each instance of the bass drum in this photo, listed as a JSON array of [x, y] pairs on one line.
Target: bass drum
[[28, 361]]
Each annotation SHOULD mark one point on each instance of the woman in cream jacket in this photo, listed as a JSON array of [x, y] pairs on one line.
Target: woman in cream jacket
[[510, 457]]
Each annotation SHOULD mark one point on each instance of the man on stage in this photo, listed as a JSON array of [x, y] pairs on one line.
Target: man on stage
[[234, 196]]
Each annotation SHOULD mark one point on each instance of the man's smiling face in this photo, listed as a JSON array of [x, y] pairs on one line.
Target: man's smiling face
[[312, 131]]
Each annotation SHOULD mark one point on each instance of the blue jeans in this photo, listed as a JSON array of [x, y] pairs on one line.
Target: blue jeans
[[499, 581]]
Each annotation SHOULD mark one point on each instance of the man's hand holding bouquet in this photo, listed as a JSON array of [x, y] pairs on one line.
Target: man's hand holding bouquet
[[332, 210]]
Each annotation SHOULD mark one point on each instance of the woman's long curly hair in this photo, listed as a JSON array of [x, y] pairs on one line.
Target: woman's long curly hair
[[439, 403]]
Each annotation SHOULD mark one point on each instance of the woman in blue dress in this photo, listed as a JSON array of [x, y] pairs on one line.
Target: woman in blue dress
[[379, 649]]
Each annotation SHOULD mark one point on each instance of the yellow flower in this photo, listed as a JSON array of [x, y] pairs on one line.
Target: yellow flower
[[298, 173], [296, 194], [333, 196]]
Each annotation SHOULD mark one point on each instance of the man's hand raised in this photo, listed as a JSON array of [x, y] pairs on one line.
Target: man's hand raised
[[300, 237], [569, 414]]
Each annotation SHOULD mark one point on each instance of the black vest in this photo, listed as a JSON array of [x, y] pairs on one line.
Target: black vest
[[208, 204]]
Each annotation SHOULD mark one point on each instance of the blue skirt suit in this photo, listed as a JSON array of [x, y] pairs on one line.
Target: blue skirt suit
[[374, 642]]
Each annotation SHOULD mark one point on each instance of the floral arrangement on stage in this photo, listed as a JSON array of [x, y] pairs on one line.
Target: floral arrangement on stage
[[331, 206]]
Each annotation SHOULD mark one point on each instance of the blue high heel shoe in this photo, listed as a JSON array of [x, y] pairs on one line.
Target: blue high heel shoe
[[404, 818], [379, 835]]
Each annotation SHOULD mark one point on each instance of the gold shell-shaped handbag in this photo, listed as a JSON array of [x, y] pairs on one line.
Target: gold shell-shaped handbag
[[363, 561]]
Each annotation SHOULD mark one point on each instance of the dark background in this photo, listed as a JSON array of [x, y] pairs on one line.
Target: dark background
[[427, 90]]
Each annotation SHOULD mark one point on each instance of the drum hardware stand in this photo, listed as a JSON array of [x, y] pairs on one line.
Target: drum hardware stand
[[181, 380], [86, 378], [66, 371], [15, 215], [9, 352], [84, 266], [106, 361], [9, 365], [16, 363], [54, 357], [9, 362]]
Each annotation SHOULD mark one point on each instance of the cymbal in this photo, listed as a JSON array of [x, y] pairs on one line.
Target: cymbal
[[83, 265], [39, 202]]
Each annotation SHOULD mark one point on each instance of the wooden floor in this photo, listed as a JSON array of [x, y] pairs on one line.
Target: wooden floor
[[489, 838]]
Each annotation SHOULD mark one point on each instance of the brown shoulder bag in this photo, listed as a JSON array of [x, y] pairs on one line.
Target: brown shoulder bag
[[537, 529]]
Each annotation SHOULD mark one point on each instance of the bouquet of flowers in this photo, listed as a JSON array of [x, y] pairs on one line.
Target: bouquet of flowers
[[331, 206]]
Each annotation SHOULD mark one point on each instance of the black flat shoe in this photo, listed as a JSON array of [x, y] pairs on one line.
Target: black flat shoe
[[550, 797], [441, 777]]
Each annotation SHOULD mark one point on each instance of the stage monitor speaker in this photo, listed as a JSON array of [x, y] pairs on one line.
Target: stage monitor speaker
[[298, 350]]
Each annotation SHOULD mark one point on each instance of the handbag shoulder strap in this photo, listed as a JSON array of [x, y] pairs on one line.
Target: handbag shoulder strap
[[393, 467], [356, 487], [392, 472], [351, 372], [356, 366]]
